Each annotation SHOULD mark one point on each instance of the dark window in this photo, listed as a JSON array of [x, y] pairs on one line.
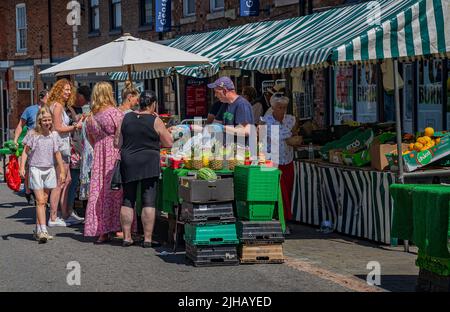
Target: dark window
[[94, 16], [116, 14], [145, 12]]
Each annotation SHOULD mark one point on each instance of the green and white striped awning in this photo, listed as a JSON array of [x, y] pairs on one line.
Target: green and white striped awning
[[137, 76], [307, 41], [422, 28]]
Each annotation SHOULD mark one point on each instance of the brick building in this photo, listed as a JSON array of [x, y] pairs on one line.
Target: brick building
[[37, 35]]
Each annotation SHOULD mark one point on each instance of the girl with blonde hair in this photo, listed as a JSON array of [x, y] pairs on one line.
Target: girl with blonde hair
[[60, 99], [103, 209], [41, 146]]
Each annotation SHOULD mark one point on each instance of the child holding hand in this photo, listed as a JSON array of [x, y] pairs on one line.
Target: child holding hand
[[42, 148]]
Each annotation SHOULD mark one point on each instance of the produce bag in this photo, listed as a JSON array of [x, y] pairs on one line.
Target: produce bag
[[12, 174]]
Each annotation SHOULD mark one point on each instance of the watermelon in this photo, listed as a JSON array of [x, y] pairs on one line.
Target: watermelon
[[206, 174]]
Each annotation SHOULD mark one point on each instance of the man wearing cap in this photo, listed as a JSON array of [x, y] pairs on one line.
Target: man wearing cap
[[28, 119], [237, 114]]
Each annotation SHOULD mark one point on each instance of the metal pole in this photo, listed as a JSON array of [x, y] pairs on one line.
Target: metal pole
[[31, 90], [2, 112], [398, 121], [178, 97]]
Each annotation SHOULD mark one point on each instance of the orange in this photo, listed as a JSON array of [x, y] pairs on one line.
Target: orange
[[422, 140], [411, 147], [429, 132], [438, 140]]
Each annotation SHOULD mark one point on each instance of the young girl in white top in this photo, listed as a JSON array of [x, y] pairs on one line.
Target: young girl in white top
[[42, 147]]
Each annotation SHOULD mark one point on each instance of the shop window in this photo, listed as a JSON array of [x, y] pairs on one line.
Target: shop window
[[408, 98], [116, 14], [188, 7], [94, 16], [146, 12], [217, 5], [430, 108], [343, 94], [366, 93], [21, 28], [303, 97]]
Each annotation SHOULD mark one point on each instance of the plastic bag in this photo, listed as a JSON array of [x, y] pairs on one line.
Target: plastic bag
[[12, 174]]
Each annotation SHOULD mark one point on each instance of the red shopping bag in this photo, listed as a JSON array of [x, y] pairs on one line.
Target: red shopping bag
[[12, 174]]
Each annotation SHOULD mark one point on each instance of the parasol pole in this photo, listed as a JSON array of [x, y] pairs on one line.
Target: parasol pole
[[129, 75]]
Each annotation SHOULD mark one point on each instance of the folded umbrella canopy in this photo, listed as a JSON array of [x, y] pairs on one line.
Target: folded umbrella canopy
[[125, 54]]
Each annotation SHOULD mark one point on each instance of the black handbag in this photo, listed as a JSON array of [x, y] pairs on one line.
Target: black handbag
[[116, 180]]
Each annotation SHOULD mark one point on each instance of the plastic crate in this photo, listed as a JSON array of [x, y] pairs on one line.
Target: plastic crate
[[202, 191], [259, 232], [212, 255], [272, 253], [192, 212], [255, 183], [210, 234], [431, 282], [255, 211]]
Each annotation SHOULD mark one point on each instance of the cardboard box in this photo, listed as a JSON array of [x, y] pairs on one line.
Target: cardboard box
[[335, 156], [378, 154]]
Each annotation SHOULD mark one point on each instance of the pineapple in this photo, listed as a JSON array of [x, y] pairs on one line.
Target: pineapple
[[216, 164]]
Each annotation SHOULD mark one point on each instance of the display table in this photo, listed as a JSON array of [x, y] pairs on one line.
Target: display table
[[355, 200], [421, 214]]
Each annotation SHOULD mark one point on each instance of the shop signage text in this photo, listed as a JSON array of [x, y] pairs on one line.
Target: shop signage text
[[163, 15], [249, 8]]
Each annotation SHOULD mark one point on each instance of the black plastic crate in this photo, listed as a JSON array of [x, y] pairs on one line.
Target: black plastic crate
[[195, 212], [266, 232], [432, 282], [202, 191], [202, 256]]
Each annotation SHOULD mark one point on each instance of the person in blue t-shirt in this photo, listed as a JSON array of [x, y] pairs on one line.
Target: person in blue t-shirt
[[237, 114], [28, 119]]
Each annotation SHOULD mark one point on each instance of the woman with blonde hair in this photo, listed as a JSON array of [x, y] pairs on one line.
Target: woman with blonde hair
[[61, 97], [130, 98], [103, 208]]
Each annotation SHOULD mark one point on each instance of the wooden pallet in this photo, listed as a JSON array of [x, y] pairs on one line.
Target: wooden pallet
[[269, 253]]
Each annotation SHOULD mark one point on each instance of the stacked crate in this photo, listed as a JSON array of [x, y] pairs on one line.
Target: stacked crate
[[210, 225], [256, 193]]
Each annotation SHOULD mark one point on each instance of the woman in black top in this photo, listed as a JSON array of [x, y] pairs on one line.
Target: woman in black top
[[141, 134]]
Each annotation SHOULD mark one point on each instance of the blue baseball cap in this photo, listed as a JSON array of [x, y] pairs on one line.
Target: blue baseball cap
[[222, 82]]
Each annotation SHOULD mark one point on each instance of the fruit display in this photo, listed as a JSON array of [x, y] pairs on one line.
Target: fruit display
[[425, 142]]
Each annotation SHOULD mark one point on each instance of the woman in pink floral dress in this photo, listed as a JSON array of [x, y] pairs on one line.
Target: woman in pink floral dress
[[103, 209]]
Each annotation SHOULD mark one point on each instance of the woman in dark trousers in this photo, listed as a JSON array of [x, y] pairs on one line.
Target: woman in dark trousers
[[141, 134]]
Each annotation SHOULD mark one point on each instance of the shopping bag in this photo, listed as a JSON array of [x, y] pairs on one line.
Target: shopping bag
[[12, 174]]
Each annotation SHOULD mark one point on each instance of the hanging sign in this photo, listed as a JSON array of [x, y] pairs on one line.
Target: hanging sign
[[163, 16], [249, 8], [196, 104]]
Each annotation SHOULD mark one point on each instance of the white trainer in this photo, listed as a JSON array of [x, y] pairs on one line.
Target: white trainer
[[73, 219], [58, 222]]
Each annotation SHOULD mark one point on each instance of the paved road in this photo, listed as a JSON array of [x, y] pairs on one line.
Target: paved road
[[27, 266]]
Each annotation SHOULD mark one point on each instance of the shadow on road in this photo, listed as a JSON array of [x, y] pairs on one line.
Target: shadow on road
[[78, 237], [19, 236], [24, 215], [396, 283], [167, 255], [13, 205]]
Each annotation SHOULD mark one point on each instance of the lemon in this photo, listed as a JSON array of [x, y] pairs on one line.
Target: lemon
[[422, 140], [418, 146], [429, 132], [437, 141]]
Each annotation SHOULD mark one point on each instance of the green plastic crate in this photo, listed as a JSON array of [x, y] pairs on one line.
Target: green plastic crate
[[254, 183], [255, 211], [210, 234], [439, 266]]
